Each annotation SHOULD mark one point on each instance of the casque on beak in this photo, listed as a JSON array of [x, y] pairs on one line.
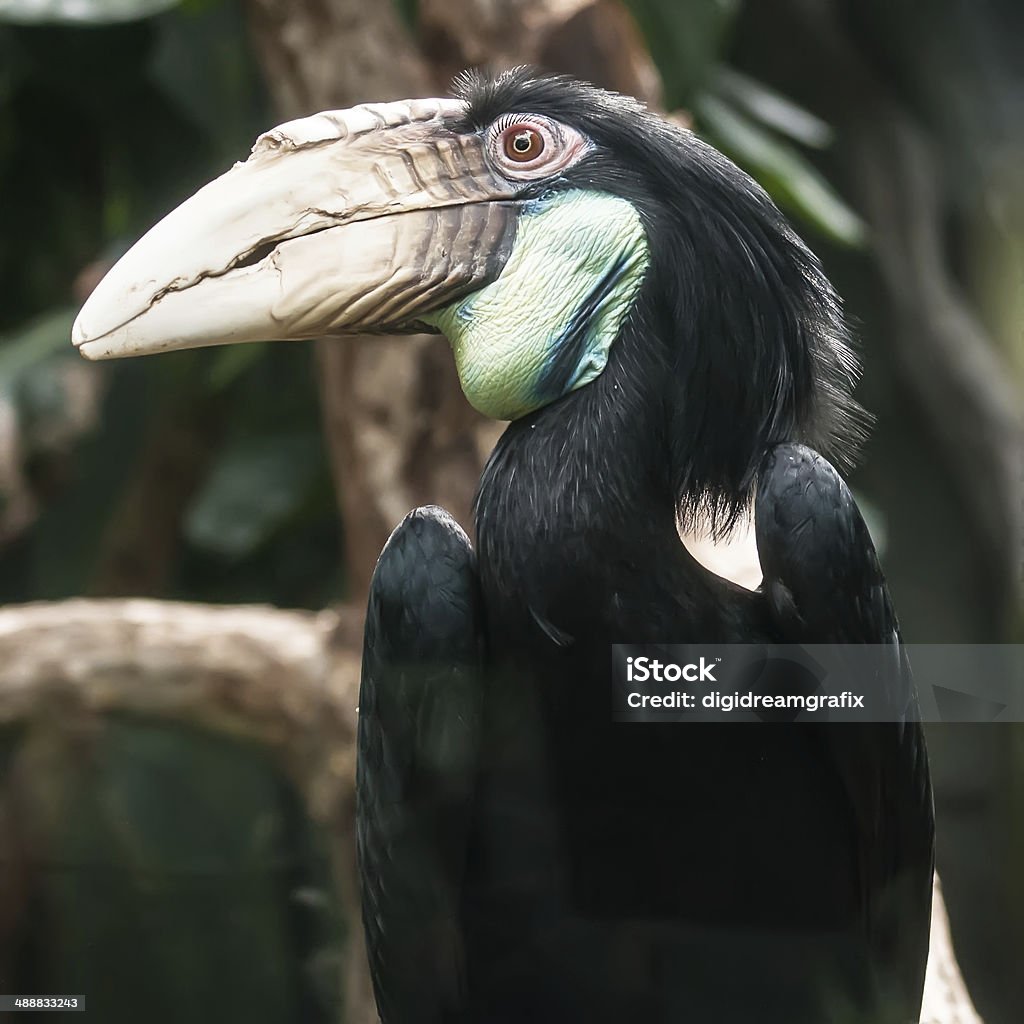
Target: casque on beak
[[343, 222]]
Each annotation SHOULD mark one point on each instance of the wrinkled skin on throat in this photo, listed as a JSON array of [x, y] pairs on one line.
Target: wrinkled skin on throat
[[546, 325]]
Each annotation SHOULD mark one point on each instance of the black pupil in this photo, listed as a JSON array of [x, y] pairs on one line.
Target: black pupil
[[523, 142]]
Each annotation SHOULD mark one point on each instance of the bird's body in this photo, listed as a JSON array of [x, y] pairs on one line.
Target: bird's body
[[613, 871], [669, 352]]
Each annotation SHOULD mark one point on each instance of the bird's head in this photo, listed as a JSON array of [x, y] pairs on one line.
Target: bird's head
[[535, 221]]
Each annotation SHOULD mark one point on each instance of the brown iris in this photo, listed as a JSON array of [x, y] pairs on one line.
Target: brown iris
[[522, 143]]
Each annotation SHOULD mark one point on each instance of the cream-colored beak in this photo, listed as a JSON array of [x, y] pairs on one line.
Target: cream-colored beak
[[346, 221]]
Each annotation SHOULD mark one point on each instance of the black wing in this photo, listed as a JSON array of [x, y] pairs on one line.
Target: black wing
[[419, 727], [824, 585]]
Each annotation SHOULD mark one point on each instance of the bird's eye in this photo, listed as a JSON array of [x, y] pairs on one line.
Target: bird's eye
[[522, 143], [527, 147]]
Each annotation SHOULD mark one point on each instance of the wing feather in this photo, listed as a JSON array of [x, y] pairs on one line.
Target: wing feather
[[823, 584], [419, 727]]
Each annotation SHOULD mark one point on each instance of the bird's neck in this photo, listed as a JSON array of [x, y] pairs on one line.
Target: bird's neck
[[583, 479]]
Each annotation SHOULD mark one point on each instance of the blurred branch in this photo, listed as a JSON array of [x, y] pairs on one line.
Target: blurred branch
[[286, 680], [79, 12]]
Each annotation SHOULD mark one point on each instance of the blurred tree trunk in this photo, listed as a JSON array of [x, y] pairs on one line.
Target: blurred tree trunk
[[283, 682]]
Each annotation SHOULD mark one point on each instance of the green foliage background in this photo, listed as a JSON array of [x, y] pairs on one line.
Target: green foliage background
[[105, 128]]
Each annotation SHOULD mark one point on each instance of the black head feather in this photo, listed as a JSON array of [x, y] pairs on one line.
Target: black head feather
[[753, 335]]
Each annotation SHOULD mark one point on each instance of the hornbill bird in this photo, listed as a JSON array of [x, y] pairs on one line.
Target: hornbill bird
[[668, 352]]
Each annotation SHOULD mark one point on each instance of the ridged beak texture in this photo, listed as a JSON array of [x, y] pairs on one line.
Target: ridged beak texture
[[346, 221]]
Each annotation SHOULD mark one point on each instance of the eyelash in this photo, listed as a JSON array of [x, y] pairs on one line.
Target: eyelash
[[506, 121]]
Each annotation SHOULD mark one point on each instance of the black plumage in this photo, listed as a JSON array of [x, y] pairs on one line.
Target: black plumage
[[522, 856]]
